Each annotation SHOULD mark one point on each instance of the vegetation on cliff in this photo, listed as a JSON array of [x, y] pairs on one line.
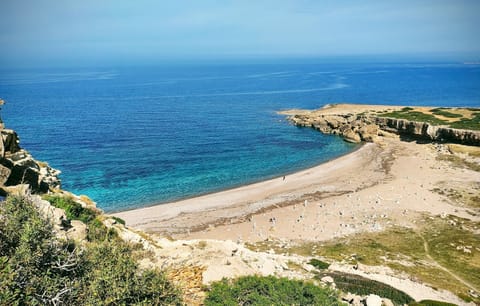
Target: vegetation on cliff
[[457, 118], [36, 267], [257, 290]]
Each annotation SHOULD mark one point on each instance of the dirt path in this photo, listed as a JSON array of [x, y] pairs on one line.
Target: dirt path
[[427, 253]]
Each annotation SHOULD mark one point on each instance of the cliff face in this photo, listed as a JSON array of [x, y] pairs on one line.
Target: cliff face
[[17, 166], [427, 131], [356, 128]]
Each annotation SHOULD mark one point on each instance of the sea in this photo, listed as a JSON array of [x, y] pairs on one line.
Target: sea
[[131, 137]]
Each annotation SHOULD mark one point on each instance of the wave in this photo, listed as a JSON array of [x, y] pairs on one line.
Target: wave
[[334, 86], [271, 74], [41, 78]]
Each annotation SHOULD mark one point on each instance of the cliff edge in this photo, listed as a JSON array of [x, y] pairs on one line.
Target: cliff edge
[[366, 122], [18, 167]]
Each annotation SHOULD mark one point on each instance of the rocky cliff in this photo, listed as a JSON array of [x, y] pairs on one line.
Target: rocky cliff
[[428, 131], [355, 127], [18, 167]]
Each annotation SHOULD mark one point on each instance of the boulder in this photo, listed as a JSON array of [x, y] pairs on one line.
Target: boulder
[[373, 300], [368, 132], [352, 299], [10, 141], [17, 166], [351, 136], [327, 279], [78, 230], [335, 121], [387, 302], [56, 215], [4, 174]]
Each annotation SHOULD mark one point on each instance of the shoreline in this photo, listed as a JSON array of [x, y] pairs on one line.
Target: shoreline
[[115, 212], [243, 195], [377, 185]]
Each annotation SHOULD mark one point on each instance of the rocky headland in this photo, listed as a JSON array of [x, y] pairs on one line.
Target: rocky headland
[[369, 122], [17, 167]]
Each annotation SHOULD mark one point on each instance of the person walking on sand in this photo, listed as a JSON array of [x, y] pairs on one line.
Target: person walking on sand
[[284, 177]]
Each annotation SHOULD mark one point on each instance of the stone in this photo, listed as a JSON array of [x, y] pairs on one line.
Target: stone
[[327, 279], [368, 132], [335, 121], [10, 141], [78, 230], [373, 300], [17, 166], [387, 302], [4, 174], [351, 136]]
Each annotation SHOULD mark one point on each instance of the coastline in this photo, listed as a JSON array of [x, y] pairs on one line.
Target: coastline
[[369, 189], [250, 198], [240, 185]]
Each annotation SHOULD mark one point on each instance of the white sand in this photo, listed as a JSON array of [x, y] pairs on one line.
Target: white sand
[[373, 187]]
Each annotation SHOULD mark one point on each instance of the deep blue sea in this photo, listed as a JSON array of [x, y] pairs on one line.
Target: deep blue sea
[[132, 137]]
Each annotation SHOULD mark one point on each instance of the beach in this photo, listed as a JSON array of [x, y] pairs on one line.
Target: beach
[[390, 182]]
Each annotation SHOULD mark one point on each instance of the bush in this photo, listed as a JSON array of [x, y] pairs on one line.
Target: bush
[[113, 278], [430, 303], [97, 231], [119, 220], [364, 286], [319, 264], [73, 210], [36, 267], [445, 113], [256, 290]]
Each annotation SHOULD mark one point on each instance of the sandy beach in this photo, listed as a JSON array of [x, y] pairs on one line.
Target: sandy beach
[[381, 184]]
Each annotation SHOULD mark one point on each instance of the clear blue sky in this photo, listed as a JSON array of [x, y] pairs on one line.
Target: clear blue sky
[[109, 31]]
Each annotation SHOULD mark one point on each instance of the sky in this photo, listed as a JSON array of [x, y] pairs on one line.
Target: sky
[[36, 32]]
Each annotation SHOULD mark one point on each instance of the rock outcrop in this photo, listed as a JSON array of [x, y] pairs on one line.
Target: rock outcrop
[[18, 167], [427, 131], [360, 127], [352, 127]]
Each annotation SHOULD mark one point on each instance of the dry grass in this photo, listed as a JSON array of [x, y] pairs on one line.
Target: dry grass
[[467, 150], [87, 200], [189, 278], [464, 194], [451, 243], [459, 162]]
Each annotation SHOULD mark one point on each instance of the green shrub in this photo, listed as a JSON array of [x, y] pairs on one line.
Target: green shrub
[[73, 210], [97, 231], [256, 290], [364, 286], [468, 124], [430, 303], [444, 113], [119, 220], [113, 278], [37, 268], [415, 116], [319, 264]]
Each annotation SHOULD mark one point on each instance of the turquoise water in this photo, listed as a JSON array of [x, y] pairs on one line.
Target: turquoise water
[[139, 136]]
